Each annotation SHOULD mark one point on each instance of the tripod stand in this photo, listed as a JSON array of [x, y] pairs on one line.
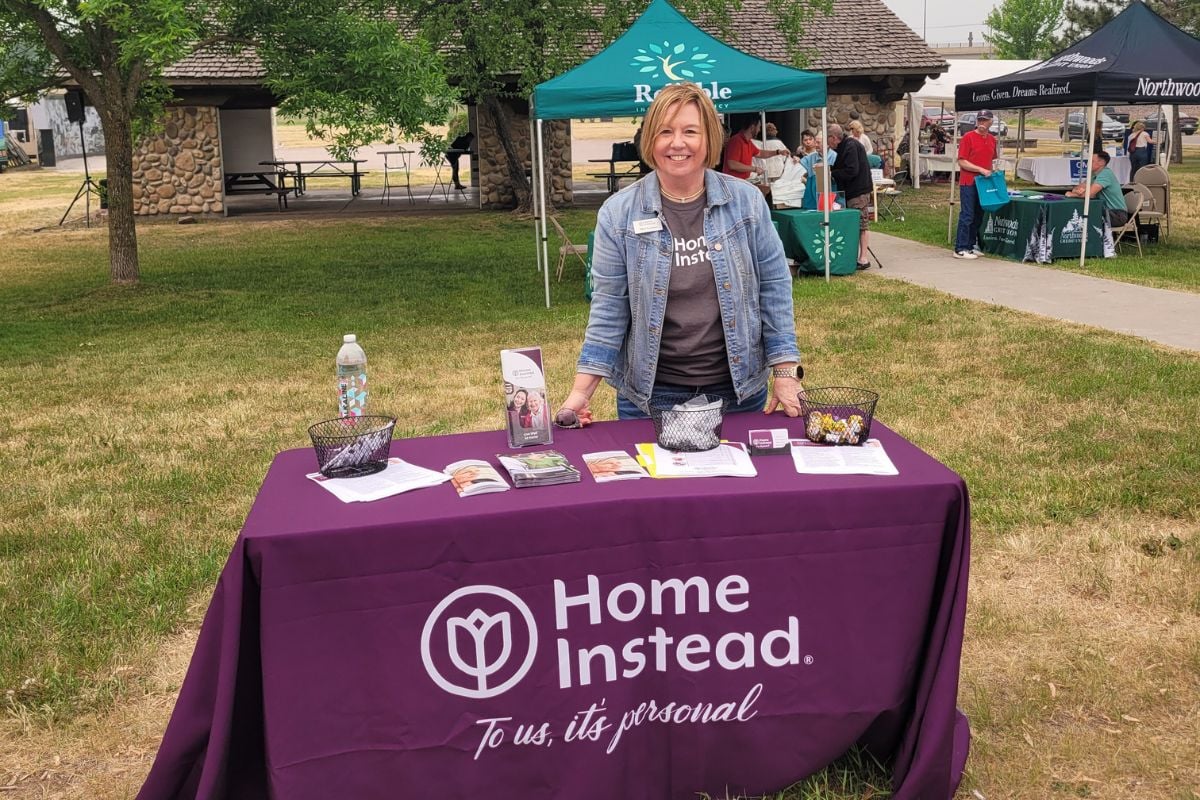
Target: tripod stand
[[87, 188]]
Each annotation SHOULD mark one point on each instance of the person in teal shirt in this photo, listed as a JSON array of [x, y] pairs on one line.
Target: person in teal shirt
[[1106, 186]]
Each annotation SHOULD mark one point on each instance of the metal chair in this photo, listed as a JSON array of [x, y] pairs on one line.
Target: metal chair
[[1133, 204], [567, 248], [1156, 180], [1149, 214]]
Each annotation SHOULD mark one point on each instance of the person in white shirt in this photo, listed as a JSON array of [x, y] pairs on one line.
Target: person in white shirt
[[772, 166], [856, 132]]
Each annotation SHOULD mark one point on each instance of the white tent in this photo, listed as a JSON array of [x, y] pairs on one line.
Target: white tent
[[939, 92]]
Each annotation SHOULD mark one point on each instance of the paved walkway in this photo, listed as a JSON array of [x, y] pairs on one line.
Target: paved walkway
[[1160, 315]]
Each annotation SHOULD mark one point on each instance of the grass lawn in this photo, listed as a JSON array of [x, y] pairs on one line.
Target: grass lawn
[[139, 422], [1173, 263]]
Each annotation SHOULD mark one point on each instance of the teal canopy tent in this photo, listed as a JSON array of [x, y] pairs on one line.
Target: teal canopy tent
[[663, 47]]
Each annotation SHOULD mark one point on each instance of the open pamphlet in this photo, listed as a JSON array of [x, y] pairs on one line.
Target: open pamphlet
[[613, 465], [869, 458], [399, 476], [472, 476], [543, 468], [728, 459]]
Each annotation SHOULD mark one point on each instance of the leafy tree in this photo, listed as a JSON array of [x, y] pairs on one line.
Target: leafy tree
[[1024, 28], [501, 49], [339, 63]]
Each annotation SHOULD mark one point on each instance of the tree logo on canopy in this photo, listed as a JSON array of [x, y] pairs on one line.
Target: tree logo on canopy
[[476, 647], [673, 61]]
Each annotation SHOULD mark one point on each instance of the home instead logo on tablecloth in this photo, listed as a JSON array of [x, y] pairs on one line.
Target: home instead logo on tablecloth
[[480, 641]]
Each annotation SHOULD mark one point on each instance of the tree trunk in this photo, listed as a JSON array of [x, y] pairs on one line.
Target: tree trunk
[[122, 233], [522, 191]]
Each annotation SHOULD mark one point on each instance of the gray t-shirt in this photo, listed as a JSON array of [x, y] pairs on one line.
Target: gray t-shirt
[[693, 341]]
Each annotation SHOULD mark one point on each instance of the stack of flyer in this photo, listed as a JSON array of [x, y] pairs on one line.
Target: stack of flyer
[[398, 477], [613, 465], [728, 459], [543, 468]]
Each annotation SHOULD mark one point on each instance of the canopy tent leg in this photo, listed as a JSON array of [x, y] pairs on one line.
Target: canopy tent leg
[[1087, 182], [914, 143], [828, 185], [1020, 142], [538, 222], [542, 192], [953, 181]]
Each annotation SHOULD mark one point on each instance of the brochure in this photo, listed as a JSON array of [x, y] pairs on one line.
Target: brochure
[[472, 476], [527, 411], [769, 441], [724, 460], [869, 458], [613, 465], [399, 476], [543, 468]]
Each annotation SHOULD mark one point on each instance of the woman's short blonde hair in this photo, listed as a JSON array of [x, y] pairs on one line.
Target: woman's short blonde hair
[[1139, 125], [665, 106], [855, 127]]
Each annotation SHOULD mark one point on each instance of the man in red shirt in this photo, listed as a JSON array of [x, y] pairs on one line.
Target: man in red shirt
[[976, 152], [740, 153]]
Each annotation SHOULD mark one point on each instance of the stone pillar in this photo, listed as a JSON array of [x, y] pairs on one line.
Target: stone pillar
[[495, 190], [876, 117], [178, 170]]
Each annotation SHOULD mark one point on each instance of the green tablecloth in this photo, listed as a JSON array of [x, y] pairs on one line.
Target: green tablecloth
[[804, 240], [1043, 230]]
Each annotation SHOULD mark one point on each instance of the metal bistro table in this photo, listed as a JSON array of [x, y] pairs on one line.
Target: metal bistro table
[[1043, 228], [804, 241]]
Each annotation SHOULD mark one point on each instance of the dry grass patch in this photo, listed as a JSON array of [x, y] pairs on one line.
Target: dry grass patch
[[1081, 671]]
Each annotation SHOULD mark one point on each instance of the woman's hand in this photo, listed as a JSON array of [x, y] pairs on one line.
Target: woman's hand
[[574, 410], [786, 393]]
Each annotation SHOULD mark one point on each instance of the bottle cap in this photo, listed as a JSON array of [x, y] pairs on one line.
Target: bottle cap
[[349, 338]]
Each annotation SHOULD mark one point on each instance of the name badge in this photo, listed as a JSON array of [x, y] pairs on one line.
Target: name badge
[[647, 225]]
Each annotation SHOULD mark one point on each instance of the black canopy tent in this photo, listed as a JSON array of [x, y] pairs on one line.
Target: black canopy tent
[[1137, 58]]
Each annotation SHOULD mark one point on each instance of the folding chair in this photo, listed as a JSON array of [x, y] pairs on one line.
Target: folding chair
[[1133, 204], [1149, 215], [1158, 182], [567, 248]]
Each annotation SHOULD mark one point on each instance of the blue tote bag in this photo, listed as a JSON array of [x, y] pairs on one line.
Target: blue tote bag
[[993, 191]]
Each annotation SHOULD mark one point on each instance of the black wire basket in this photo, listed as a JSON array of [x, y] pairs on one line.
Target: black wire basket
[[349, 447], [837, 414], [687, 430]]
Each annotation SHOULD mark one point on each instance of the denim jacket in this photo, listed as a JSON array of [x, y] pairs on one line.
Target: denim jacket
[[631, 272]]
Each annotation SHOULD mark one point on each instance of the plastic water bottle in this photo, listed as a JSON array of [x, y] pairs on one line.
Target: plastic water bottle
[[351, 378]]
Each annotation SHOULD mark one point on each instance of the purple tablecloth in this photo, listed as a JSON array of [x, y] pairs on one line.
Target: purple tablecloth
[[637, 639]]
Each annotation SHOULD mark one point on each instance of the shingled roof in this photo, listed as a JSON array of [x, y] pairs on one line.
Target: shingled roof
[[217, 65], [859, 36]]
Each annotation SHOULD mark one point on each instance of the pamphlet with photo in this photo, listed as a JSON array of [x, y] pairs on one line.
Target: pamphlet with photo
[[543, 468], [472, 476], [526, 407], [613, 465]]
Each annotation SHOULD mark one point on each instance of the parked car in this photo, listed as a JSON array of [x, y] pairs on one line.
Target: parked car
[[1187, 124], [1120, 116], [934, 115], [966, 124], [1109, 127]]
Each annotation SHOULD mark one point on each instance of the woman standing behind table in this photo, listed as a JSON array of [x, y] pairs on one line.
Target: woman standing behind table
[[692, 291], [1140, 142]]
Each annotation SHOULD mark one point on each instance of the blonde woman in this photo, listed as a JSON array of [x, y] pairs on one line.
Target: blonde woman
[[856, 132], [1140, 142], [692, 290]]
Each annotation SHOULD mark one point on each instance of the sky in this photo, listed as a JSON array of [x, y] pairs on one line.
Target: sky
[[945, 21]]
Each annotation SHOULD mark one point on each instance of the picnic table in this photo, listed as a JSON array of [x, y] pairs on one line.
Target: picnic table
[[612, 177], [321, 168], [263, 182]]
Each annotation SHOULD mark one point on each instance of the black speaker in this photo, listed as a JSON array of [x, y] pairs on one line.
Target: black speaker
[[76, 100]]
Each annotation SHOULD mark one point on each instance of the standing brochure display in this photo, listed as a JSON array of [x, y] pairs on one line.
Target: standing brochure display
[[702, 634]]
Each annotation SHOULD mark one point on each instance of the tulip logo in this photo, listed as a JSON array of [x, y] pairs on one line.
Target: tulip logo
[[479, 644]]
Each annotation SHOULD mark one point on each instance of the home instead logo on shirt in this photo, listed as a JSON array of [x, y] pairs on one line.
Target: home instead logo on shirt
[[690, 252]]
